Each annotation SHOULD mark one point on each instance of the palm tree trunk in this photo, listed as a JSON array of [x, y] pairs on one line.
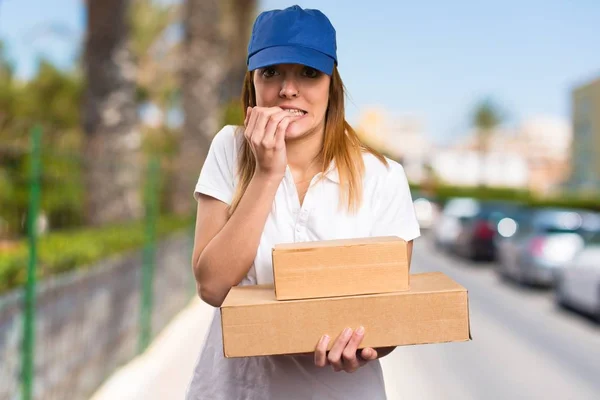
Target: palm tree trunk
[[113, 143], [238, 21], [202, 75]]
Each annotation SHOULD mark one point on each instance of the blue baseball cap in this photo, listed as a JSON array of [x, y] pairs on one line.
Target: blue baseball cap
[[293, 36]]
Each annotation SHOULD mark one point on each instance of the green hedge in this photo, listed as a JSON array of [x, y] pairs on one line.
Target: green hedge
[[442, 193], [585, 203], [64, 251]]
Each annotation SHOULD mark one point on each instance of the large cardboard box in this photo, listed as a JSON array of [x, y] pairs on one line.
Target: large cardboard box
[[434, 310], [345, 267]]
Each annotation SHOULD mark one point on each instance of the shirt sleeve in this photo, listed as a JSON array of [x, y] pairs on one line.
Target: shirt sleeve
[[217, 175], [395, 213]]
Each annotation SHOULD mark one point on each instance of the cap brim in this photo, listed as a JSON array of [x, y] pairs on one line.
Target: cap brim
[[291, 55]]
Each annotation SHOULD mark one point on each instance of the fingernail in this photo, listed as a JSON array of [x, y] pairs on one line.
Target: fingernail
[[360, 330], [347, 332], [325, 340]]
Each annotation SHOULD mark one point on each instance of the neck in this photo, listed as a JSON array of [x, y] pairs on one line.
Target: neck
[[304, 154]]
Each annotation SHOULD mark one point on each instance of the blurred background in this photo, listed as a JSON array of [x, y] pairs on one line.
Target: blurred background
[[108, 108]]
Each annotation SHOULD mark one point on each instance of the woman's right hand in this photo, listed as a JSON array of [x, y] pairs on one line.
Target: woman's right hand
[[265, 132]]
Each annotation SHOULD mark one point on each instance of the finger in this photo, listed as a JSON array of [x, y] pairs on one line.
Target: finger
[[258, 130], [248, 111], [368, 354], [321, 352], [280, 133], [251, 122], [272, 125], [351, 363], [335, 354], [277, 128]]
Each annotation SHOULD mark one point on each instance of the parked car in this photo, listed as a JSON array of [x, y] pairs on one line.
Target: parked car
[[578, 286], [426, 209], [476, 232], [447, 227], [545, 240]]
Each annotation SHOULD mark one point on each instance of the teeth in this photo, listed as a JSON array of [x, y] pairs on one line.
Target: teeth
[[295, 112]]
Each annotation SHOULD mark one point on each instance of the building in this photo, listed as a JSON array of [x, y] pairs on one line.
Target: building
[[535, 155], [401, 137], [462, 167], [585, 149], [546, 142]]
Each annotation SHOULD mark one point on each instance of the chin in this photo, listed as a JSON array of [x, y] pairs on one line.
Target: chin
[[295, 132], [298, 129]]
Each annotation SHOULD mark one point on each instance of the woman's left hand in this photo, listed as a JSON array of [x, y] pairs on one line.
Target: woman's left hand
[[344, 354]]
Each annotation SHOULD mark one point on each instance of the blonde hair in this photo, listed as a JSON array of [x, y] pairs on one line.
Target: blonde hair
[[341, 144]]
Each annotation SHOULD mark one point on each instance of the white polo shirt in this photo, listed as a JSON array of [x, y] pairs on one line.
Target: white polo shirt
[[386, 209]]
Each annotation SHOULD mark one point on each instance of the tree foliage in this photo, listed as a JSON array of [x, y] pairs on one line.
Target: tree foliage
[[51, 99]]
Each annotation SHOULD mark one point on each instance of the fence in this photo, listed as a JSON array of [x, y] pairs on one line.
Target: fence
[[62, 336]]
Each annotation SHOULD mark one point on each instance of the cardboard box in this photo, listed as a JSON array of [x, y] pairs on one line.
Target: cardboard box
[[344, 267], [434, 310]]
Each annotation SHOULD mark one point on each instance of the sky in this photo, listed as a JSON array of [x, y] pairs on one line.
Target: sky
[[430, 59]]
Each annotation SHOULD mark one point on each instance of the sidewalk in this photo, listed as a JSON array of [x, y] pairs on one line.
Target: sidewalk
[[164, 370]]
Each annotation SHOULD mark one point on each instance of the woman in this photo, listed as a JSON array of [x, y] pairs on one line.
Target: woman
[[295, 172]]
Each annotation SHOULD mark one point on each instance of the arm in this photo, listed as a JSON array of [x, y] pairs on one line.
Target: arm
[[216, 267], [224, 249]]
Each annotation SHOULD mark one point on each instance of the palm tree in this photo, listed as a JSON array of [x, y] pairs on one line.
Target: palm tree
[[486, 118], [202, 71], [213, 68], [112, 142], [155, 53]]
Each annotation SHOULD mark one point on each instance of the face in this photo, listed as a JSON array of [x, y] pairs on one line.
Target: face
[[295, 87]]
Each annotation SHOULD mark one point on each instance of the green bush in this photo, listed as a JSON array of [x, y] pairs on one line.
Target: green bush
[[442, 193], [65, 251], [585, 203]]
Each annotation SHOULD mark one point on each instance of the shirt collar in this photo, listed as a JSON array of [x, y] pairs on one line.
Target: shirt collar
[[332, 173]]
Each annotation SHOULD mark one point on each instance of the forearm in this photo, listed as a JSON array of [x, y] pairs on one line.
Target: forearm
[[226, 259]]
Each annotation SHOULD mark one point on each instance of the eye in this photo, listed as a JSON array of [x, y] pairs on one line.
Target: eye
[[310, 72], [269, 72]]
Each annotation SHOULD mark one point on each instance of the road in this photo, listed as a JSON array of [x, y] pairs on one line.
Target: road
[[523, 347]]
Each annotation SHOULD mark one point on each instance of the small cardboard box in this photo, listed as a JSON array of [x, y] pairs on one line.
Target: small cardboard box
[[343, 267], [434, 310]]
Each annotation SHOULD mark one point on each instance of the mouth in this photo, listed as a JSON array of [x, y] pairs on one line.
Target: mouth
[[295, 111]]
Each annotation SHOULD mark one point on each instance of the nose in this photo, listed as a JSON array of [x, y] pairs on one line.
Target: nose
[[289, 88]]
